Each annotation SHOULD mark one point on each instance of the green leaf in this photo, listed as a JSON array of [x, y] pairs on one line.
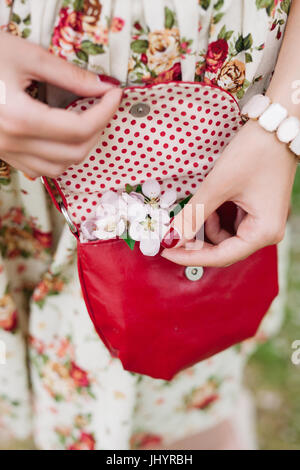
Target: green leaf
[[222, 33], [15, 18], [78, 5], [239, 45], [219, 4], [180, 206], [139, 189], [169, 18], [240, 94], [82, 56], [217, 18], [248, 41], [228, 35], [4, 181], [26, 32], [90, 48], [248, 58], [243, 44], [204, 4], [139, 46], [264, 3], [27, 20], [128, 188], [127, 239], [285, 6]]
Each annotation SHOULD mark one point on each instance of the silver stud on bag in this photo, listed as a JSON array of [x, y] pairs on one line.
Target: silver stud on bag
[[193, 273], [140, 110]]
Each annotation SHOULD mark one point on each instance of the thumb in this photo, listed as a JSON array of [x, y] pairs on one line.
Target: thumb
[[191, 219], [48, 68]]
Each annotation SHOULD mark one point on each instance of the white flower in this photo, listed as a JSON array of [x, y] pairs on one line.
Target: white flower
[[135, 206], [145, 214], [133, 198], [111, 204], [151, 189], [110, 226], [88, 230], [137, 212], [149, 230], [110, 217]]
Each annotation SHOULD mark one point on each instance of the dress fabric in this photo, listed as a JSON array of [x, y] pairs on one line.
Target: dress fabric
[[82, 398]]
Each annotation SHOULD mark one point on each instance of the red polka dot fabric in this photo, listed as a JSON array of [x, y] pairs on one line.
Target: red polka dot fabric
[[185, 130]]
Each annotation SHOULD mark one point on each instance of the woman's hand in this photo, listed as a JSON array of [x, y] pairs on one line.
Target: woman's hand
[[256, 172], [35, 138]]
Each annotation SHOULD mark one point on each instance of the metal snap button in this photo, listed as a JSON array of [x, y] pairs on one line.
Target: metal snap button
[[194, 273], [140, 110]]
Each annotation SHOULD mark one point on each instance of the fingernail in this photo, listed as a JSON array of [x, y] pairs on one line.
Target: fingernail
[[108, 80], [171, 239]]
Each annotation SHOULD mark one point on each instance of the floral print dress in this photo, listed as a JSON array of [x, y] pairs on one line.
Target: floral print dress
[[81, 398]]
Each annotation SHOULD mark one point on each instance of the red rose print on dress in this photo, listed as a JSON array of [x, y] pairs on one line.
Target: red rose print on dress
[[79, 376], [203, 397], [44, 238], [145, 440], [216, 55], [8, 314], [117, 24], [68, 31], [86, 442]]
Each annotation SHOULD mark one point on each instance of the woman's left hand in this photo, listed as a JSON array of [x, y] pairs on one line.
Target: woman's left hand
[[256, 172]]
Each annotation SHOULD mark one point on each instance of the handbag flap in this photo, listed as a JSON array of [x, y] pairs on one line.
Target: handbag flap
[[172, 132]]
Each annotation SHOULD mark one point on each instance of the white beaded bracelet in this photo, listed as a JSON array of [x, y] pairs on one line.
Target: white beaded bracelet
[[274, 118]]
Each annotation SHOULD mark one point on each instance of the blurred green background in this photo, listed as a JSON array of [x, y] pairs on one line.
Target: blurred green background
[[272, 377]]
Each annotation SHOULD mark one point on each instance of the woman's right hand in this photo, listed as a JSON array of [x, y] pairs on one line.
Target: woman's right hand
[[37, 139]]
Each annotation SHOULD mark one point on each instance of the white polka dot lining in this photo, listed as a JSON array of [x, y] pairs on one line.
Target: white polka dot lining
[[177, 143]]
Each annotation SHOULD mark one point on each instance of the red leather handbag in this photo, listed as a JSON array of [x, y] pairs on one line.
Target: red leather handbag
[[157, 317]]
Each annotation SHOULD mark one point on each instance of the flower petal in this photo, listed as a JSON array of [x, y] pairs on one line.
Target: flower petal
[[104, 235], [87, 230], [121, 228], [109, 197], [168, 199], [150, 247], [133, 198], [105, 210], [160, 215], [137, 211], [136, 230], [151, 189]]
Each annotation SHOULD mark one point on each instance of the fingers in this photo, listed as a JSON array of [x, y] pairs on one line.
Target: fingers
[[213, 230], [239, 217], [206, 200], [45, 67], [228, 252], [64, 154], [252, 235], [41, 158], [34, 166], [38, 120]]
